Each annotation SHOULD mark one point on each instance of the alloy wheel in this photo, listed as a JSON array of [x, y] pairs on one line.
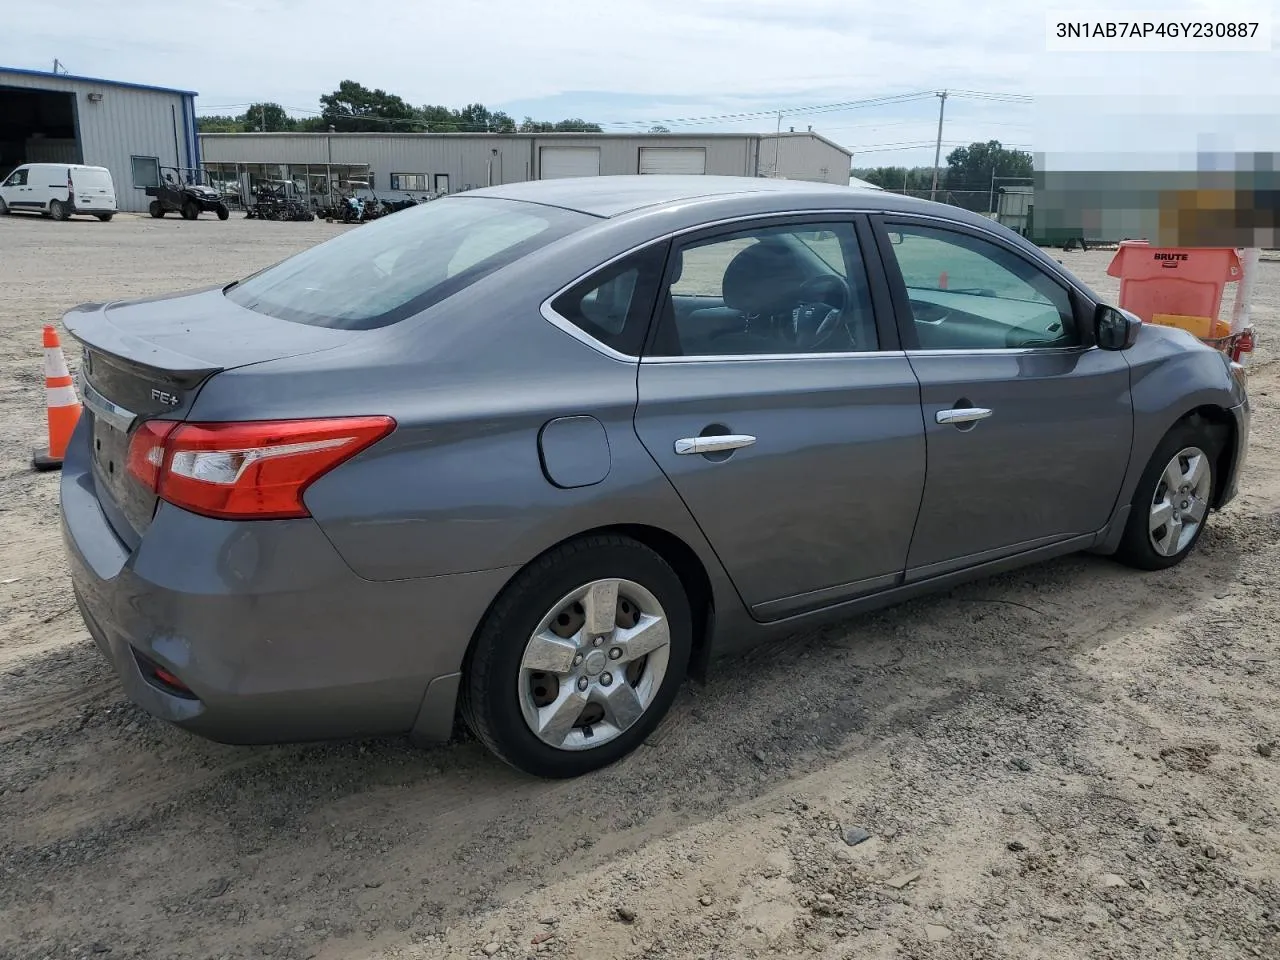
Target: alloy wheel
[[1180, 501], [594, 664]]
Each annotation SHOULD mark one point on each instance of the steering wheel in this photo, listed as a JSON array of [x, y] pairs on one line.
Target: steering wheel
[[815, 319]]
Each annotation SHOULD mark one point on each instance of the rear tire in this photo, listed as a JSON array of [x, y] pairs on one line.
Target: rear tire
[[189, 210], [614, 686], [222, 211], [58, 210], [156, 209], [104, 217], [1175, 491]]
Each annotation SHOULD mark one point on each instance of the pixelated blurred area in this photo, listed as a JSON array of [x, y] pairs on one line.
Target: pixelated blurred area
[[1217, 208]]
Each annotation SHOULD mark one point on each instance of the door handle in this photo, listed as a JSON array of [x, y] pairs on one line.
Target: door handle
[[962, 415], [701, 445]]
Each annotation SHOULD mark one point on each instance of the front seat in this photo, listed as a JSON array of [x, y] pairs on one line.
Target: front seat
[[764, 279], [760, 282]]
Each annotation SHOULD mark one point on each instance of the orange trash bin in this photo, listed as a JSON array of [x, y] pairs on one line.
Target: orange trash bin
[[1176, 286]]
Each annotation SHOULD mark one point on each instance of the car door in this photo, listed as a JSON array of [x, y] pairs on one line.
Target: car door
[[799, 450], [1028, 424], [14, 187]]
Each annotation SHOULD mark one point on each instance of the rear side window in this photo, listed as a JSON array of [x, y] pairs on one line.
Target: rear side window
[[614, 304], [399, 265]]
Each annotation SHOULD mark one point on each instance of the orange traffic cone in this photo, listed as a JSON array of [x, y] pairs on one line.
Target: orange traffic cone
[[60, 399]]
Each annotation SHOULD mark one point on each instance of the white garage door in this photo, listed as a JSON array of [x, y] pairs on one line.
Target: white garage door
[[557, 162], [673, 160]]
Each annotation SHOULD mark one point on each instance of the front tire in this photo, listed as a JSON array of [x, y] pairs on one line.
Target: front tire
[[579, 658], [156, 209], [105, 217], [4, 208], [222, 211], [1171, 504], [189, 210], [58, 210]]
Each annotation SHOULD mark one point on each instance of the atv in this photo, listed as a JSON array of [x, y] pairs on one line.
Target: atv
[[185, 191]]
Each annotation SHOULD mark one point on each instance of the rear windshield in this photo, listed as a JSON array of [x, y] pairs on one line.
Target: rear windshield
[[91, 178], [399, 265]]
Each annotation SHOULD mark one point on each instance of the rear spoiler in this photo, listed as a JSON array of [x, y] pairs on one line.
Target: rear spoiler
[[89, 324]]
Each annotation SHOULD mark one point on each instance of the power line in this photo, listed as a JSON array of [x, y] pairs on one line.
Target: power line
[[723, 118]]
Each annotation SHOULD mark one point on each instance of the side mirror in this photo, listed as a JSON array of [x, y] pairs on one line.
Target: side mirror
[[1115, 329], [895, 238]]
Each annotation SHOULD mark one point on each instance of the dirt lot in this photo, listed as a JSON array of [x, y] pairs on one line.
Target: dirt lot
[[1070, 761]]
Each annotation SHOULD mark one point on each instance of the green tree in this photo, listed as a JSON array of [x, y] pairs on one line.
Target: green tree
[[577, 126], [915, 180], [218, 124], [353, 107], [266, 117], [971, 168], [438, 119], [530, 125], [477, 118]]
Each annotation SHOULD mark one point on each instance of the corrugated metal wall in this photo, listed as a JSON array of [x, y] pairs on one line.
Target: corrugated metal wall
[[467, 159], [726, 156], [126, 122], [803, 156]]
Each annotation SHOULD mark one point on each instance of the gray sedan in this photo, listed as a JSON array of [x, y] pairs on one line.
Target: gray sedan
[[540, 451]]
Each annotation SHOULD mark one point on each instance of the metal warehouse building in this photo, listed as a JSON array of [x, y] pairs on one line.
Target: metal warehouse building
[[448, 162], [129, 128]]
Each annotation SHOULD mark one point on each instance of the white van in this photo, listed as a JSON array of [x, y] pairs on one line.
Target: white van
[[59, 190]]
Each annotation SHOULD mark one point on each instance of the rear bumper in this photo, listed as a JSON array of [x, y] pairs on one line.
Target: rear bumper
[[275, 636]]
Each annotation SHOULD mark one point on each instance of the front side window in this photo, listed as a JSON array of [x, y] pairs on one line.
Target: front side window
[[967, 293], [398, 266], [17, 179], [614, 304], [793, 289], [146, 172]]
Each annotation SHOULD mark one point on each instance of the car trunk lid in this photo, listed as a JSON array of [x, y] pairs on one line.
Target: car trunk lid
[[148, 359]]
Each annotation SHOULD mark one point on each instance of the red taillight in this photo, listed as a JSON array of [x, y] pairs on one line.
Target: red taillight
[[146, 451], [165, 676], [256, 470]]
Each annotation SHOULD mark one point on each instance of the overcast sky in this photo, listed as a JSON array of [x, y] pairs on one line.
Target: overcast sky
[[629, 62]]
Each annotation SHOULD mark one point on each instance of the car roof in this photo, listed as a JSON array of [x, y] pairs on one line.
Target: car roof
[[60, 166], [616, 195]]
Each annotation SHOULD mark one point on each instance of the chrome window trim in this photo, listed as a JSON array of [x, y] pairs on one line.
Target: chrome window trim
[[573, 330], [748, 357], [567, 326], [1000, 351]]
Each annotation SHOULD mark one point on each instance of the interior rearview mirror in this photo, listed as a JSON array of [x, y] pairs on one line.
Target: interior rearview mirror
[[1115, 329], [895, 238]]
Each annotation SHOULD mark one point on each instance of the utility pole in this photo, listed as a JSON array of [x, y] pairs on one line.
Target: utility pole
[[937, 150], [262, 110], [991, 200], [776, 140]]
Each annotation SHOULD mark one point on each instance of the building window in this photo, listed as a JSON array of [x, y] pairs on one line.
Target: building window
[[409, 181], [146, 172]]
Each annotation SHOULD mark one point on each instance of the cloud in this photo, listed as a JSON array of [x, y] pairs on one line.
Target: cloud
[[619, 62]]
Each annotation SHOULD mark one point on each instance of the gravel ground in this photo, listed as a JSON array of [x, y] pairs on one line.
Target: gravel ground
[[1074, 760]]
